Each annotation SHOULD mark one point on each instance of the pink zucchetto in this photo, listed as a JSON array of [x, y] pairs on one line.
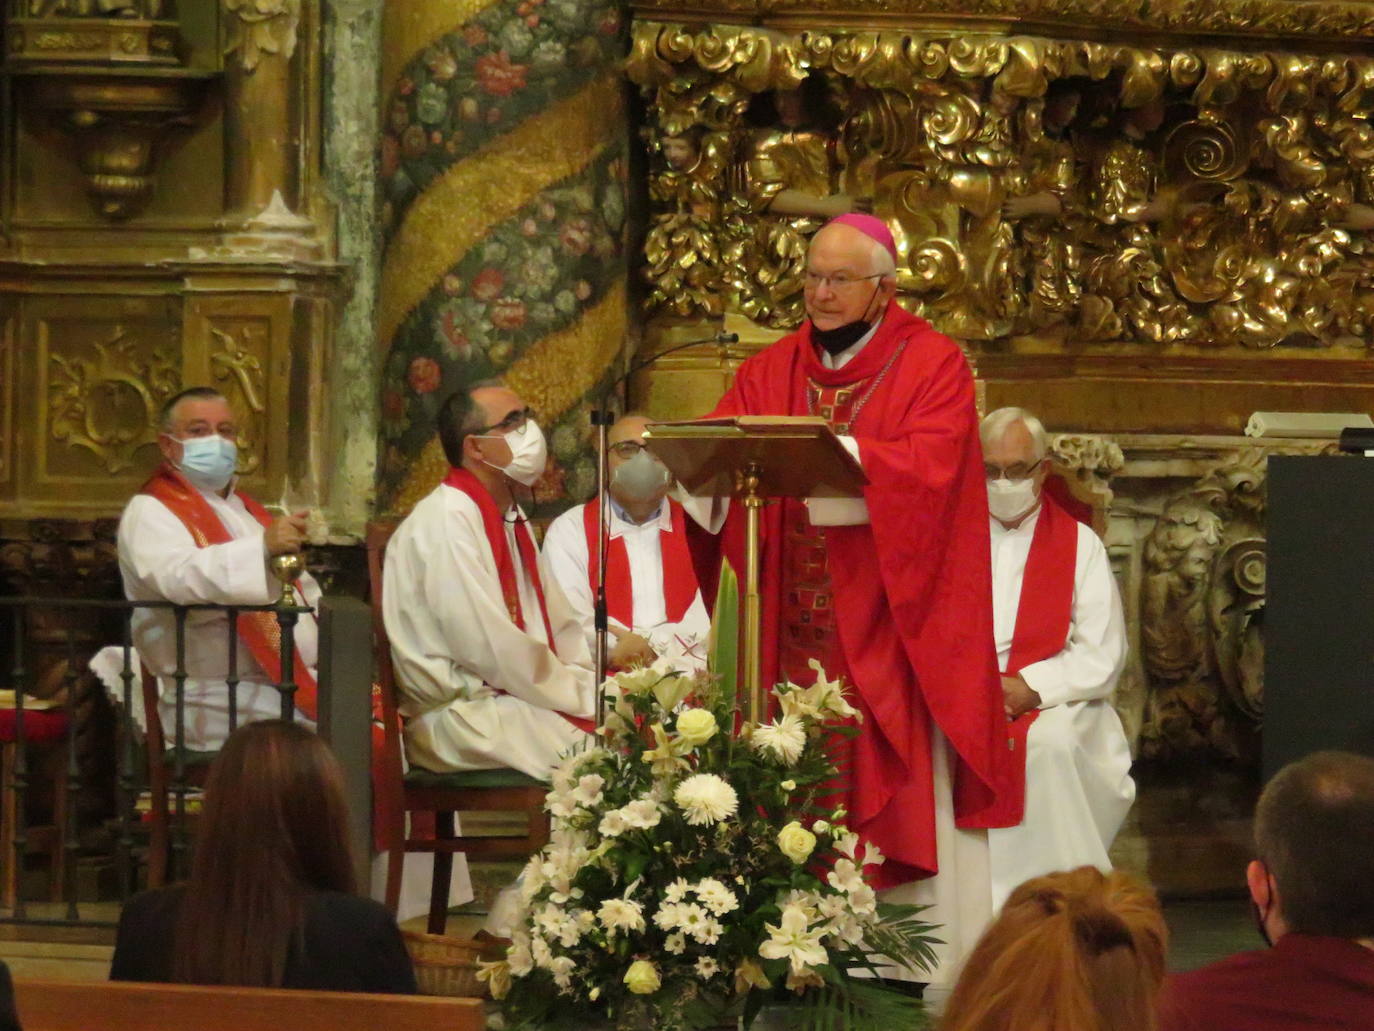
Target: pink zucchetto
[[871, 226]]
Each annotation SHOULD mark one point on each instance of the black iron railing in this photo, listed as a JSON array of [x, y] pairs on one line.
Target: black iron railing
[[130, 779]]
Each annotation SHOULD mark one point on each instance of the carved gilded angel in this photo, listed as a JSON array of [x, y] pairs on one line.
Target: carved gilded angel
[[682, 245], [786, 186], [1047, 205]]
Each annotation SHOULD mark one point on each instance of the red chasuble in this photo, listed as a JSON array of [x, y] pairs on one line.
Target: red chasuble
[[1044, 616], [494, 524], [909, 595], [679, 576]]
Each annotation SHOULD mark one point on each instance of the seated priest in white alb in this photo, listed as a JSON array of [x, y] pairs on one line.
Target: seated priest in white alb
[[1061, 644], [653, 603], [491, 662], [191, 537]]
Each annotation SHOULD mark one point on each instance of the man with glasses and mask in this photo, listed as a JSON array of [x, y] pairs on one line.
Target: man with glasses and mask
[[491, 663], [1061, 645], [191, 537], [653, 603], [890, 591], [1313, 895]]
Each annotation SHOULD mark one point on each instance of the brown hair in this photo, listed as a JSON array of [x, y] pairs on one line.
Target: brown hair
[[1075, 951], [1314, 831], [274, 829]]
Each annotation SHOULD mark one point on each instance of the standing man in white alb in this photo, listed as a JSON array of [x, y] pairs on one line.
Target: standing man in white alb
[[653, 604], [1061, 644], [491, 663]]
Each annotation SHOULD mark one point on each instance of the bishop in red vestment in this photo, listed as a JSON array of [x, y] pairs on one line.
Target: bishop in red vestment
[[893, 591]]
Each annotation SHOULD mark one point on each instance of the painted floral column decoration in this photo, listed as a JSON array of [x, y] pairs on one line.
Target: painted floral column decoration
[[503, 179]]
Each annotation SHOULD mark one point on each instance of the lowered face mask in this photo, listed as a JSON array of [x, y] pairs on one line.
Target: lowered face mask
[[208, 462], [641, 478], [529, 454], [1008, 500]]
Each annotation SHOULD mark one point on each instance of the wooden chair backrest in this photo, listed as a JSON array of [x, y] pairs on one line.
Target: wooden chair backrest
[[1079, 499], [128, 1006], [377, 536]]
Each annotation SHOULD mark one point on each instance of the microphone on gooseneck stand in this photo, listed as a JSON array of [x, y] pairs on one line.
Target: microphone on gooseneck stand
[[601, 419]]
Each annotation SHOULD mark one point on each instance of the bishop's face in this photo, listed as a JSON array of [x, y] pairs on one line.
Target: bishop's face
[[841, 286]]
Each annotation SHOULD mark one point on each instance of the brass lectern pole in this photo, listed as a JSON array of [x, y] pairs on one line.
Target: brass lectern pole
[[753, 611]]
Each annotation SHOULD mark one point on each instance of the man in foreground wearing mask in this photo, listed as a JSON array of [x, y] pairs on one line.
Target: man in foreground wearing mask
[[653, 604], [890, 591], [1313, 897], [491, 663], [1061, 645], [190, 537]]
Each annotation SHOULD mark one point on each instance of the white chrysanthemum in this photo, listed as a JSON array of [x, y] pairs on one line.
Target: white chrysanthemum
[[588, 790], [716, 897], [675, 943], [621, 915], [677, 891], [785, 738], [641, 814], [708, 932], [706, 799], [692, 918], [707, 967], [667, 916], [791, 939]]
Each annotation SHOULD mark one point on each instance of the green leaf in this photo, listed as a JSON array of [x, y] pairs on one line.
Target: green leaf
[[723, 650]]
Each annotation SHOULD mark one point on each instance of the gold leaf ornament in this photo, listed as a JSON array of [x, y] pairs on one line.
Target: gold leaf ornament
[[258, 27]]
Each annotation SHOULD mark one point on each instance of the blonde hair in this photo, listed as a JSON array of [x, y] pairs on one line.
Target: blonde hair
[[1075, 951]]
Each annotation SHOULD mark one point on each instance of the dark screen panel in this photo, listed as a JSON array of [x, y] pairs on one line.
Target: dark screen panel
[[1319, 608]]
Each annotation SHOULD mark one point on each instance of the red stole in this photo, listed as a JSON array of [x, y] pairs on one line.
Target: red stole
[[258, 631], [1044, 615], [679, 576], [494, 525]]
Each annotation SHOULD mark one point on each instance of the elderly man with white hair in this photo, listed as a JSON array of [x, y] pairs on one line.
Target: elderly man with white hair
[[1061, 644], [890, 591]]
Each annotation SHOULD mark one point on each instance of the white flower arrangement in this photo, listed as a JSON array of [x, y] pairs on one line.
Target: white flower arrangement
[[692, 877]]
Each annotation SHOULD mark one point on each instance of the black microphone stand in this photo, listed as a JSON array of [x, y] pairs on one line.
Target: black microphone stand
[[601, 420]]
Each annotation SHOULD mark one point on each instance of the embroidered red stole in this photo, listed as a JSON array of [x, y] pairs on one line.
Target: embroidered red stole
[[494, 525], [679, 576], [1044, 612]]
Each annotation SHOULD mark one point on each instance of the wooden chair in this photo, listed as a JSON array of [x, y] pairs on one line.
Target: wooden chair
[[40, 727], [441, 794], [1081, 498], [129, 1006], [160, 769]]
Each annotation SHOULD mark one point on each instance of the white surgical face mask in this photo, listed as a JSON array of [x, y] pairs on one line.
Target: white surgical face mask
[[1009, 500], [208, 462], [528, 454], [641, 478]]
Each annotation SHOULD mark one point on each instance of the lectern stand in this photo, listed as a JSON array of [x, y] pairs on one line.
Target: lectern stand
[[756, 457]]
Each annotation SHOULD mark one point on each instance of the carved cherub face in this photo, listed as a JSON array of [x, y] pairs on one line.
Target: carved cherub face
[[679, 152]]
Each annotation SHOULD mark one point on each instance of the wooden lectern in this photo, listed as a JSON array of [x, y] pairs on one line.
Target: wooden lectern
[[756, 457]]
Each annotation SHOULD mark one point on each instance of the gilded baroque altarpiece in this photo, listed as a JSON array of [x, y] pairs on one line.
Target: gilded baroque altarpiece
[[1143, 222]]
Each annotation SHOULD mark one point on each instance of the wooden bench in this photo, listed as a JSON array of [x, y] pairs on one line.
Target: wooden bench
[[126, 1006]]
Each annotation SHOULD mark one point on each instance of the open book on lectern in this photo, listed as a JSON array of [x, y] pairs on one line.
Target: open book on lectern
[[797, 456]]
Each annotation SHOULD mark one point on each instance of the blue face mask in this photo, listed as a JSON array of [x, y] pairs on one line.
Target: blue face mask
[[208, 462]]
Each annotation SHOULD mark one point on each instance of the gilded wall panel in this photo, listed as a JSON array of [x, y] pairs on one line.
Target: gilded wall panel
[[102, 366], [241, 345]]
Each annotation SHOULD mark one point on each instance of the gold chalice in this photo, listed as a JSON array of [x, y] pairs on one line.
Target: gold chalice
[[287, 568]]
